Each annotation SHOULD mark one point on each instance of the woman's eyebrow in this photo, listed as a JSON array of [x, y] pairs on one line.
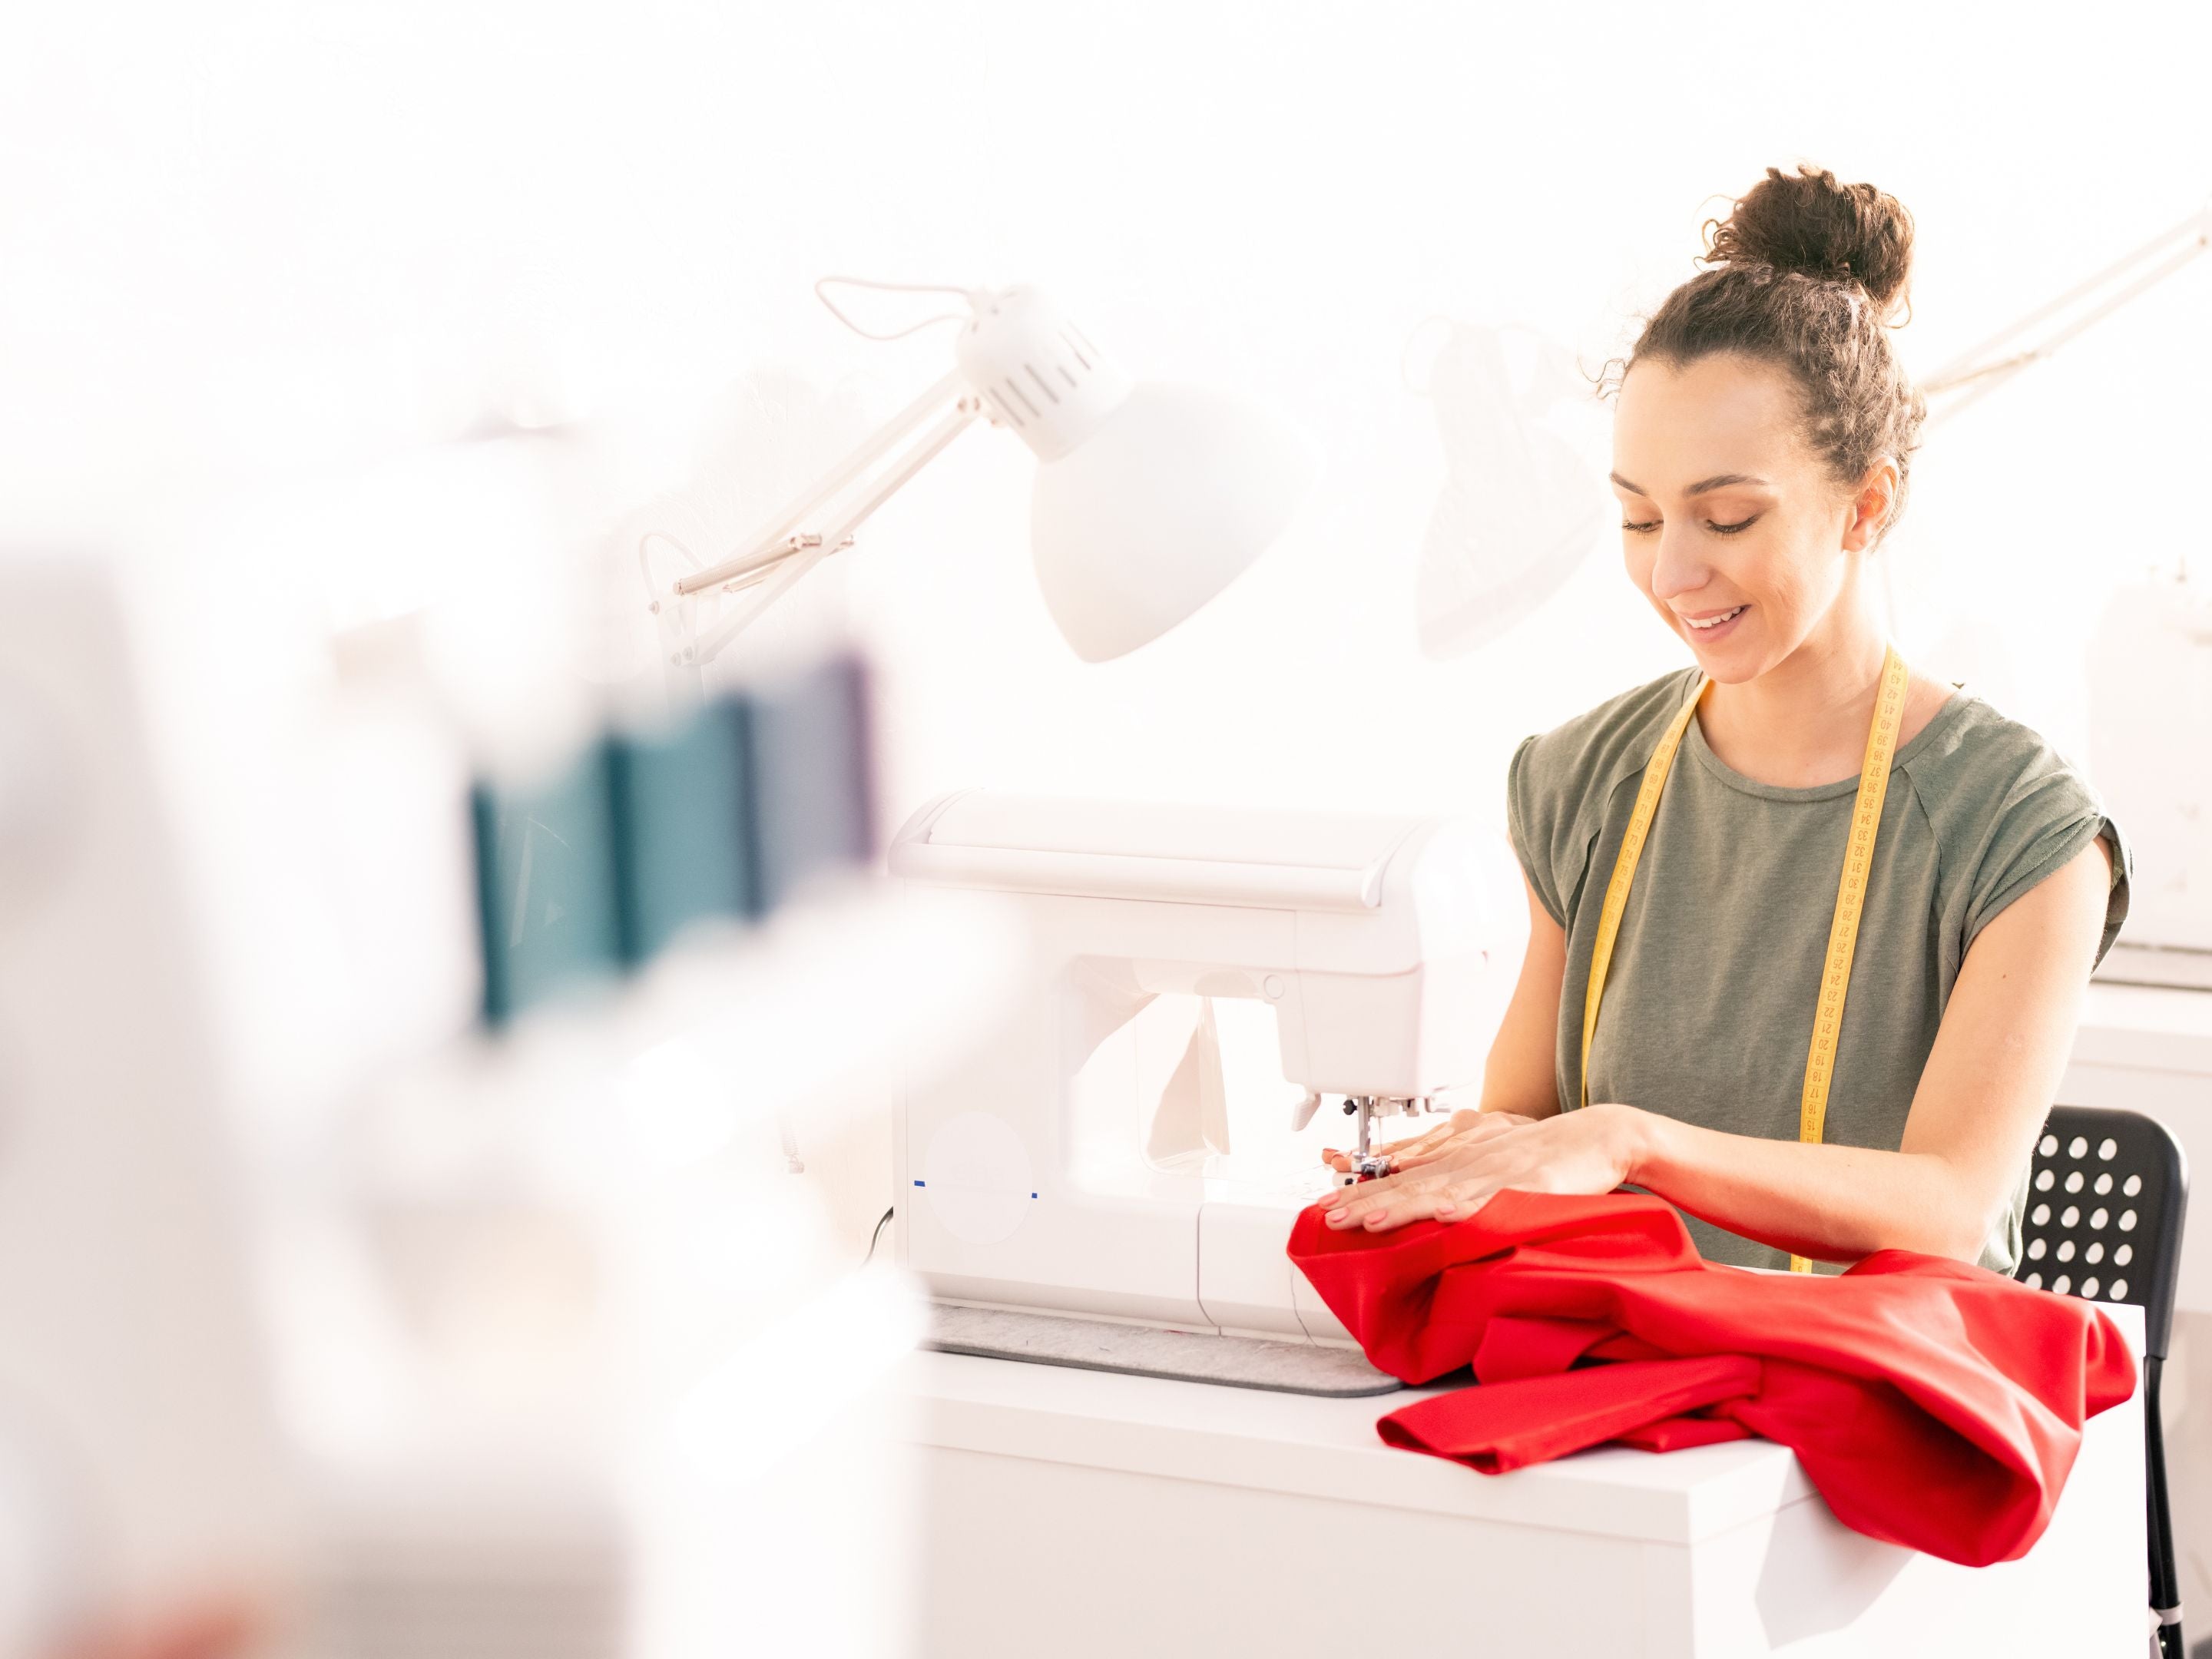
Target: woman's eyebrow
[[1704, 486]]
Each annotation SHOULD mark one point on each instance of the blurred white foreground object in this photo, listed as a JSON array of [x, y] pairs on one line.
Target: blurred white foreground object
[[1133, 1146], [131, 1366], [1523, 504], [489, 1347], [1150, 499]]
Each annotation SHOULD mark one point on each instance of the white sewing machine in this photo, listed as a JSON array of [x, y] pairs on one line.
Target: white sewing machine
[[1119, 1155]]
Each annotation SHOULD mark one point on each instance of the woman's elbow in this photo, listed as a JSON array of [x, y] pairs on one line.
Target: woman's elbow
[[1942, 1213], [1931, 1236], [1961, 1223], [1961, 1243]]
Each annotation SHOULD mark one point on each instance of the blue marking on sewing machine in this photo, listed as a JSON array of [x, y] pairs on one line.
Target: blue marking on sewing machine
[[925, 1183]]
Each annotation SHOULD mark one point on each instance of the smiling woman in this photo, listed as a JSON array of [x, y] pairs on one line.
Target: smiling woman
[[1840, 836]]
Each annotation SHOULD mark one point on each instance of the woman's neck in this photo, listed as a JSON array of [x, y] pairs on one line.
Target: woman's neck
[[1803, 722]]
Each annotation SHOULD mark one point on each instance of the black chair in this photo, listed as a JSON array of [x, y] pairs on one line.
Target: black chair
[[2104, 1206]]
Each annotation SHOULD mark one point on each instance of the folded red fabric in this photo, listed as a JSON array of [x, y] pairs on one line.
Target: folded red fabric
[[1933, 1404]]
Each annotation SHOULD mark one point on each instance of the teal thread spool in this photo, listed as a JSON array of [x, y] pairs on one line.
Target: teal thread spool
[[547, 905], [592, 872], [814, 793], [683, 823]]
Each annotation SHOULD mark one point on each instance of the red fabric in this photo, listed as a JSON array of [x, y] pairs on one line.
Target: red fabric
[[1934, 1405]]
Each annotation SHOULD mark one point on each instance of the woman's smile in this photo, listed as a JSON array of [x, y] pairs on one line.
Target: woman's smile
[[1715, 627]]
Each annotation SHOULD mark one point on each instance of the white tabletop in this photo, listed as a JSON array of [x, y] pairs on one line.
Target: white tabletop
[[1328, 1449], [2147, 1028]]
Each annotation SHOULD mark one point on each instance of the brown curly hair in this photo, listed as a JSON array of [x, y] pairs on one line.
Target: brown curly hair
[[1806, 273]]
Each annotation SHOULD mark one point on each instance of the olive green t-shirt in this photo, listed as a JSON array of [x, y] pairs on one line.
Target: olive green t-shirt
[[1708, 1009]]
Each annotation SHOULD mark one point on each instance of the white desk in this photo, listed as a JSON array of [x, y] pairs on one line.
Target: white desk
[[1079, 1513]]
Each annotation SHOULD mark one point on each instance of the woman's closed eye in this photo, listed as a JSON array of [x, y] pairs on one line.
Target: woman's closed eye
[[1644, 527]]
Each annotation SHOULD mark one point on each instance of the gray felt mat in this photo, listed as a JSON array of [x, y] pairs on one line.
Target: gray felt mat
[[1235, 1362]]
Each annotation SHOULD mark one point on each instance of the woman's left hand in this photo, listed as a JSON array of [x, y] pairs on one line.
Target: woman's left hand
[[1464, 1126], [1584, 1152]]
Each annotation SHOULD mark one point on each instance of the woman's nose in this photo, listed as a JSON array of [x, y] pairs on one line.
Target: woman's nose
[[1677, 568]]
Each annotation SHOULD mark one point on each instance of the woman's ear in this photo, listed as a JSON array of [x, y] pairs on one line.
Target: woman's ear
[[1871, 505]]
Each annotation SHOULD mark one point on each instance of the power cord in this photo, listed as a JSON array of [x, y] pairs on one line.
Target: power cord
[[878, 1234], [974, 296]]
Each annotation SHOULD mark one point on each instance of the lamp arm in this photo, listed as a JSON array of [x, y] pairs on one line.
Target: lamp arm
[[876, 444], [776, 565], [1983, 372]]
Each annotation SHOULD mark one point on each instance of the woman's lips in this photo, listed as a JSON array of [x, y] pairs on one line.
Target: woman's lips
[[1720, 629]]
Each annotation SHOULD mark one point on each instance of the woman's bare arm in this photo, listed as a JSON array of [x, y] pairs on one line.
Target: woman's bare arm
[[1981, 1101], [1521, 1074]]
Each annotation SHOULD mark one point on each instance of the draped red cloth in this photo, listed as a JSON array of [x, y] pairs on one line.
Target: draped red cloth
[[1934, 1405]]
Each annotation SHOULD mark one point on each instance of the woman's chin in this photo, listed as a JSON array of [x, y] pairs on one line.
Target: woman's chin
[[1728, 653]]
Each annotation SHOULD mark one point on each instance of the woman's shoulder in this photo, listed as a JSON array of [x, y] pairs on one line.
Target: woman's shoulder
[[1582, 757], [1559, 782], [1975, 760], [2008, 808]]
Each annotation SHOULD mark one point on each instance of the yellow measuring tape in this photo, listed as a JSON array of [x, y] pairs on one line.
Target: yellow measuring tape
[[1850, 891]]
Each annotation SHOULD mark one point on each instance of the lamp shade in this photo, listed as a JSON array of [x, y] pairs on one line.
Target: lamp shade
[[1521, 505], [1157, 509]]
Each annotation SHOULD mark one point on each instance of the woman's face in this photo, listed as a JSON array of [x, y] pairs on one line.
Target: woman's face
[[1736, 532]]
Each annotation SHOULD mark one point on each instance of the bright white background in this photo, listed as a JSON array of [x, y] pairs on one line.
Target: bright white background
[[241, 243]]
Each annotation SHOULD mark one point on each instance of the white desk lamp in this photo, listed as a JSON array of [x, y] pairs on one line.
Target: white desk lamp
[[1977, 373], [1150, 499], [2148, 659], [1521, 504]]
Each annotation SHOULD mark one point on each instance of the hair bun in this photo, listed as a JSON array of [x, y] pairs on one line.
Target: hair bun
[[1811, 223]]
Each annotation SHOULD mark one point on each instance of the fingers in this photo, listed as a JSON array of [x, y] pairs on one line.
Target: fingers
[[1423, 1148], [1430, 1141], [1420, 1148], [1442, 1143], [1345, 1199], [1394, 1200], [1465, 1129], [1379, 1206]]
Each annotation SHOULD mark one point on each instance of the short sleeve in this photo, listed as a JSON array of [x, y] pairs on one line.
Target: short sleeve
[[2044, 821], [1533, 835], [1560, 785]]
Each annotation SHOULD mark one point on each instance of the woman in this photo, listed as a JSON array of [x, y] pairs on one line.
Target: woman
[[1762, 437]]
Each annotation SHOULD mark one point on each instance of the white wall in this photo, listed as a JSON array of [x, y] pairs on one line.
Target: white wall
[[241, 244]]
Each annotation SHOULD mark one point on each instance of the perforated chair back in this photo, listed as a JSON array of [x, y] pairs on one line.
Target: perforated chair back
[[2107, 1194], [2104, 1208]]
